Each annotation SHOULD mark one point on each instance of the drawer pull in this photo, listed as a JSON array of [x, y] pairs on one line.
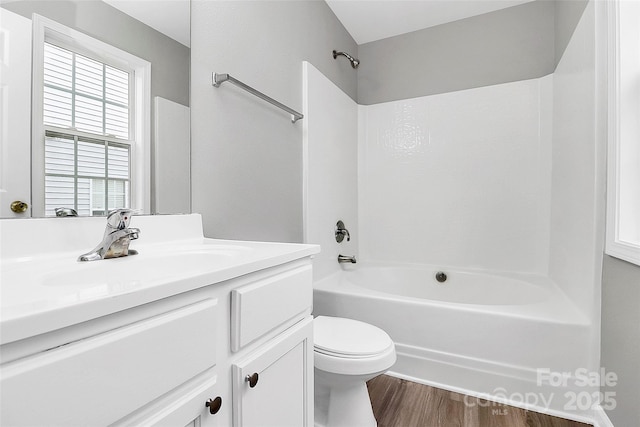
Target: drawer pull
[[214, 405], [252, 379]]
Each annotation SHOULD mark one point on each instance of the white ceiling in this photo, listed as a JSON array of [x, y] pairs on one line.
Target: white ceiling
[[170, 17], [370, 20]]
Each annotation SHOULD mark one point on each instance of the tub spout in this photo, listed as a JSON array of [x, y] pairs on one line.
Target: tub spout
[[345, 259]]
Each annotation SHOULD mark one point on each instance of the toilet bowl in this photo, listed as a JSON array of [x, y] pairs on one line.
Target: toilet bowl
[[347, 354]]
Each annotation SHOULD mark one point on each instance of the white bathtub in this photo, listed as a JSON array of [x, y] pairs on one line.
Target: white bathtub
[[458, 287], [477, 333]]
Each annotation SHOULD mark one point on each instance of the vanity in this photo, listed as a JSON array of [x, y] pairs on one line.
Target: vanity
[[189, 332]]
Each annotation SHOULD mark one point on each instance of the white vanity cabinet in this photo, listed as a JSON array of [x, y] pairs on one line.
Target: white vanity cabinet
[[180, 360]]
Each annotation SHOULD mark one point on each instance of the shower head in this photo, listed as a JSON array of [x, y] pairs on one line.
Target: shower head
[[354, 61]]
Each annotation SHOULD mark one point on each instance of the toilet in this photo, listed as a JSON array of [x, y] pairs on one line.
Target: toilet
[[347, 354]]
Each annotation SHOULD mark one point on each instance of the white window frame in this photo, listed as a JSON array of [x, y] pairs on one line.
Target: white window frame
[[45, 29], [619, 138]]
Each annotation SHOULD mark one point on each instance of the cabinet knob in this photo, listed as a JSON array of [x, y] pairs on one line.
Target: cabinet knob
[[252, 379], [214, 405]]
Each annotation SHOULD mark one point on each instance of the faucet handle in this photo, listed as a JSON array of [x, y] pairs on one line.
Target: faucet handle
[[119, 218], [341, 231], [62, 211]]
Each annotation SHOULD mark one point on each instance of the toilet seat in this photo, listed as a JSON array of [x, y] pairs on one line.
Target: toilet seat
[[351, 347], [340, 337]]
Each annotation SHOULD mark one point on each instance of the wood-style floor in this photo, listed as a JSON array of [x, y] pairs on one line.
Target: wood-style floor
[[401, 403]]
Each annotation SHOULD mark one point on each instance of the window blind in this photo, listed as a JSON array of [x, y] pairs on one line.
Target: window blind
[[87, 136], [84, 94]]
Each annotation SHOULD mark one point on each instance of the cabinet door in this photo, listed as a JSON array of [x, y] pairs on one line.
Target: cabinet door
[[283, 393], [196, 403]]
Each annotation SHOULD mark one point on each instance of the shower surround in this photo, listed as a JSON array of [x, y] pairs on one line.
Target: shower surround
[[459, 179]]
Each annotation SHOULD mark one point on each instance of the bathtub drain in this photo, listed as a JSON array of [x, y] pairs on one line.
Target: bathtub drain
[[441, 276]]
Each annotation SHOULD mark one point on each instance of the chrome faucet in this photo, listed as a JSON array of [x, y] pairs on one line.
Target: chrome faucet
[[345, 259], [62, 212], [116, 239]]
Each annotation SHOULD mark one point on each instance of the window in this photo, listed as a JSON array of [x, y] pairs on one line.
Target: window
[[91, 124], [623, 176], [84, 96], [92, 176]]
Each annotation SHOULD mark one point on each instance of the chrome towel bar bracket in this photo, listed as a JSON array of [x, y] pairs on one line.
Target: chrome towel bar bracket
[[218, 79]]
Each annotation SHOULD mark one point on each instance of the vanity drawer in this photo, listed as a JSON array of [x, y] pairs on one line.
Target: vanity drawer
[[108, 376], [264, 305]]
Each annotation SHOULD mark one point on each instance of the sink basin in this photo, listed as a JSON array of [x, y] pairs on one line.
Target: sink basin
[[63, 279], [132, 270]]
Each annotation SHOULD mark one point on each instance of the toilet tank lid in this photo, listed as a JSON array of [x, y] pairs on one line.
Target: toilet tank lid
[[348, 337]]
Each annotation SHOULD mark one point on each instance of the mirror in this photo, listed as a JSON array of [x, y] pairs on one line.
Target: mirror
[[156, 32]]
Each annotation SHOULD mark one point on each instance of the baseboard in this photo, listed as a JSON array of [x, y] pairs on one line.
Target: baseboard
[[505, 384], [600, 418]]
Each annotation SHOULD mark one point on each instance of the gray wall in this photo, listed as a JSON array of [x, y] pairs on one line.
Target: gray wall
[[621, 337], [246, 154], [508, 45], [517, 43], [567, 16]]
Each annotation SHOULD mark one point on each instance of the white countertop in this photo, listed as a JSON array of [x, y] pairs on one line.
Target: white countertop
[[43, 287]]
